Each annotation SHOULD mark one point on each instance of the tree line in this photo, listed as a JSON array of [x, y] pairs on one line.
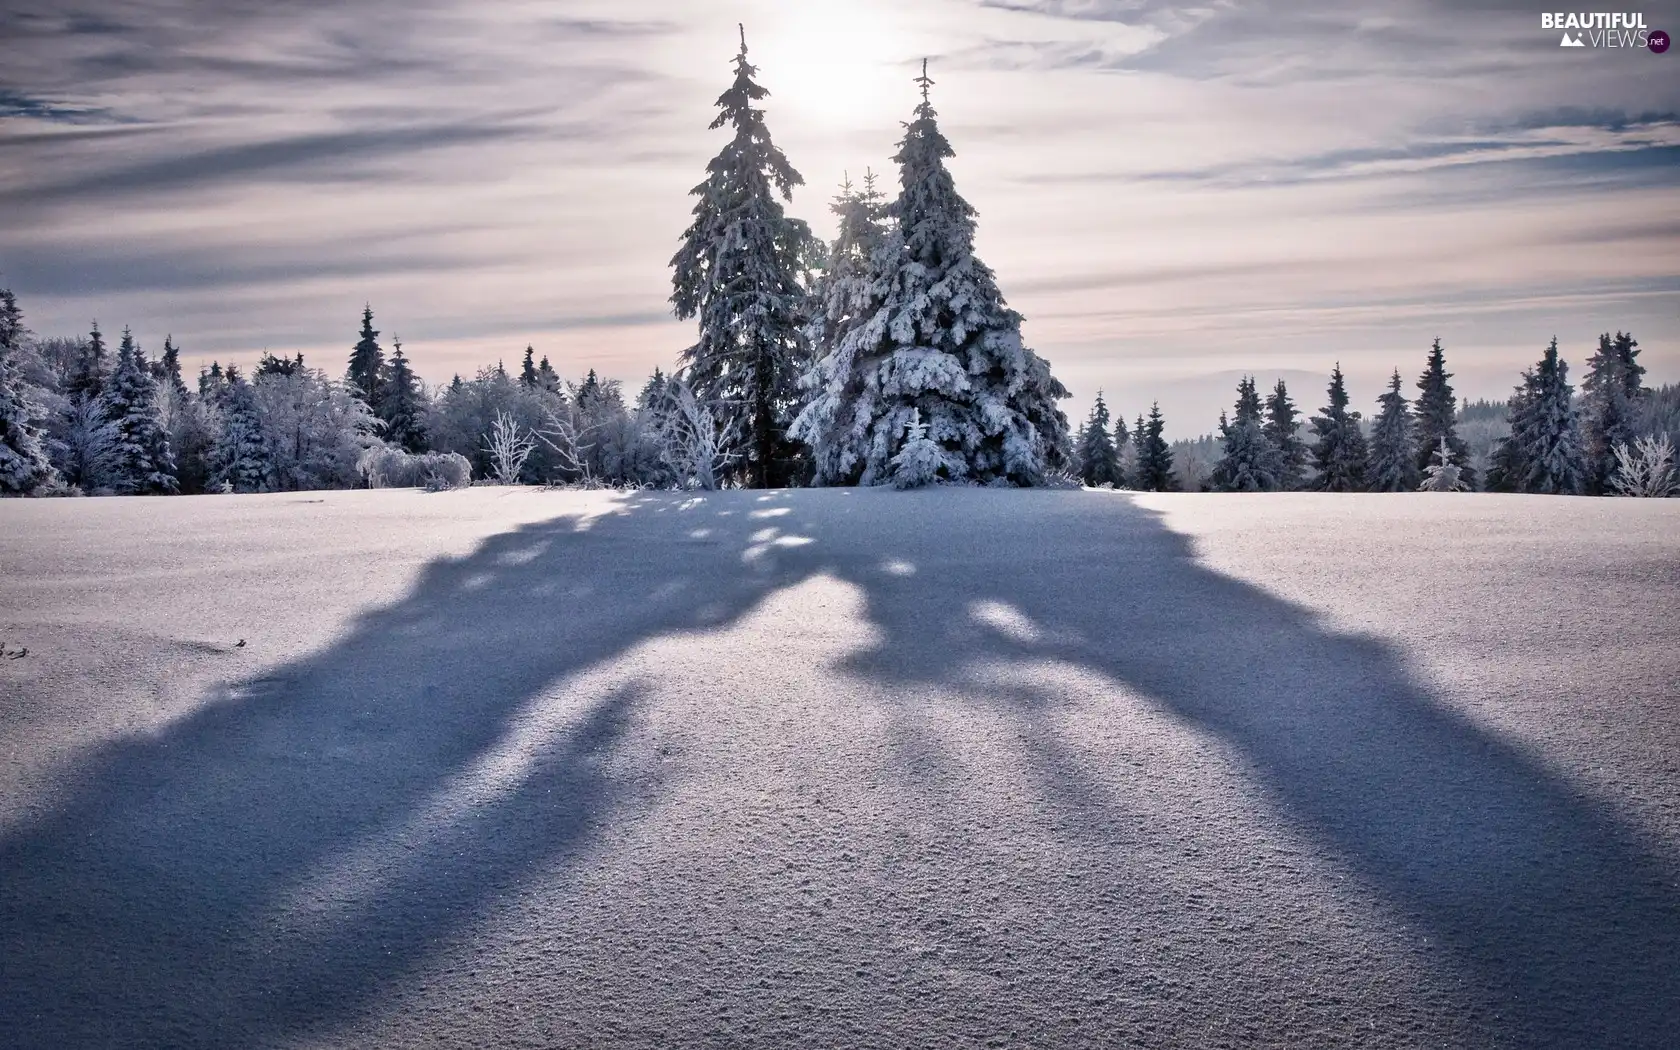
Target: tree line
[[1613, 438]]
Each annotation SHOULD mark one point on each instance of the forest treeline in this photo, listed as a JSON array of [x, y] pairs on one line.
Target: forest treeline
[[887, 356]]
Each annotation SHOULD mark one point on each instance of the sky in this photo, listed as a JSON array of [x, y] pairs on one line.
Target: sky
[[1172, 195]]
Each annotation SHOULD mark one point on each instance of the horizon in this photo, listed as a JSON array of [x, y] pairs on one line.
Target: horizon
[[1280, 190]]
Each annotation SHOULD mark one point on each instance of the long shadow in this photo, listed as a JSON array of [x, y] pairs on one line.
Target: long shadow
[[156, 904]]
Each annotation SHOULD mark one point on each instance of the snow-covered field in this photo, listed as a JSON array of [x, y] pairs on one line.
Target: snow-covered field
[[840, 768]]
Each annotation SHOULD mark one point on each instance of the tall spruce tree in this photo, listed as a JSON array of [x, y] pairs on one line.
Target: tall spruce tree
[[1250, 462], [1543, 451], [1099, 463], [142, 463], [1154, 470], [167, 369], [1611, 398], [1283, 427], [367, 361], [24, 466], [940, 347], [1339, 454], [1393, 461], [843, 301], [401, 404], [528, 377], [1437, 415], [741, 272], [549, 380]]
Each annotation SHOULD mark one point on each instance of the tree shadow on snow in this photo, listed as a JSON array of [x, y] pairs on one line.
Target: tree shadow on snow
[[158, 904]]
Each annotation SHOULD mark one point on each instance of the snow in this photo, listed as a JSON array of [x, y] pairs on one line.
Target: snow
[[839, 767]]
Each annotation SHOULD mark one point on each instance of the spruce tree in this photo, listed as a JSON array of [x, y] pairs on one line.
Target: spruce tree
[[167, 370], [242, 459], [528, 377], [1542, 453], [1611, 397], [842, 302], [143, 464], [24, 466], [87, 381], [367, 361], [548, 379], [740, 271], [1442, 474], [401, 404], [1437, 414], [1154, 470], [1393, 462], [1283, 427], [1099, 464], [939, 346], [1339, 454], [1250, 462]]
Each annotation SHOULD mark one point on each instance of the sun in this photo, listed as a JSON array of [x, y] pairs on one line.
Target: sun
[[835, 62]]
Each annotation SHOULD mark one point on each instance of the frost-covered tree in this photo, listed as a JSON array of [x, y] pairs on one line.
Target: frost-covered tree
[[843, 301], [509, 446], [920, 461], [1393, 461], [1646, 469], [241, 457], [1442, 474], [547, 378], [315, 429], [1283, 427], [1543, 451], [1250, 461], [402, 404], [1339, 454], [1099, 463], [167, 368], [1611, 397], [528, 368], [87, 379], [367, 361], [143, 463], [1437, 414], [1154, 469], [939, 344], [24, 466], [741, 271]]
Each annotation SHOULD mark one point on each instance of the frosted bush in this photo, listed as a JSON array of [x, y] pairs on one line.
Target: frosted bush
[[1646, 469], [384, 467]]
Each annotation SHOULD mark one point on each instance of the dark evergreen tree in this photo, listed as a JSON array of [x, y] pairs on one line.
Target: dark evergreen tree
[[1437, 413], [167, 369], [210, 379], [1154, 471], [653, 392], [401, 404], [1393, 462], [741, 272], [143, 463], [88, 380], [528, 377], [367, 361], [24, 466], [1542, 453], [1099, 464], [270, 365], [940, 348], [1250, 462], [1339, 454], [1283, 427], [1612, 395]]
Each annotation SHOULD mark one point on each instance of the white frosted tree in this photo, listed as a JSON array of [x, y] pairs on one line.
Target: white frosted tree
[[1251, 461], [1392, 466], [142, 463], [1339, 454], [24, 466], [1543, 452], [938, 345], [1442, 474], [741, 271], [509, 445], [1645, 469], [920, 461], [241, 456]]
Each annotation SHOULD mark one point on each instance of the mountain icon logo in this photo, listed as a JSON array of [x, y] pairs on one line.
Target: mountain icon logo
[[1571, 41]]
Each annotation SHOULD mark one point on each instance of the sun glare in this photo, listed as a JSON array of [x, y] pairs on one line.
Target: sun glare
[[830, 61]]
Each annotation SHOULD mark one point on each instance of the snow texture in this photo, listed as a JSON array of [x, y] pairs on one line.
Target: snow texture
[[839, 767]]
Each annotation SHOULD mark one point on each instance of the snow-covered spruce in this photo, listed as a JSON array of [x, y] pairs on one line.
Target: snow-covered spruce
[[1251, 462], [742, 271], [142, 463], [1392, 466], [1099, 461], [1283, 427], [1543, 451], [1442, 474], [402, 403], [367, 362], [1612, 395], [1153, 471], [1437, 414], [24, 466], [920, 461], [240, 457], [1339, 453], [939, 344]]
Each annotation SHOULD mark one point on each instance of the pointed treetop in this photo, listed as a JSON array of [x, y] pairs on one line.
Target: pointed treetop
[[925, 82], [742, 26]]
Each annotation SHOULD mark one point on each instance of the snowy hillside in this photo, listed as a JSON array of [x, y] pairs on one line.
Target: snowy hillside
[[839, 768]]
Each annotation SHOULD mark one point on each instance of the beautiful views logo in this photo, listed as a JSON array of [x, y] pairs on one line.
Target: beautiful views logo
[[1604, 29]]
